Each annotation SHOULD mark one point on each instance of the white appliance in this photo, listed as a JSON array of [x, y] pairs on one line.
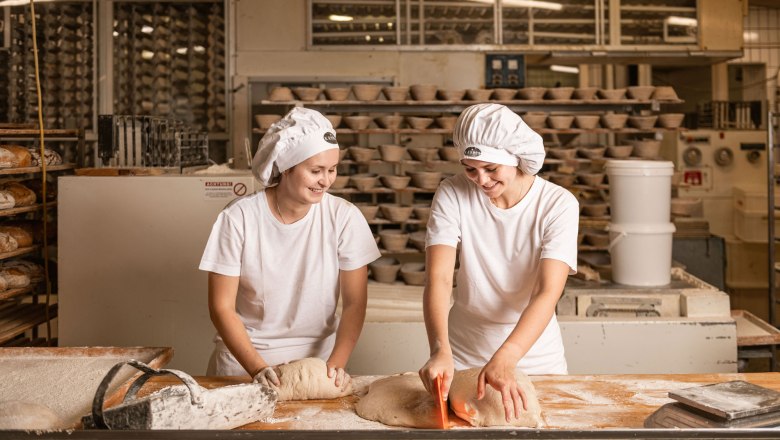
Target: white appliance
[[129, 249], [711, 163]]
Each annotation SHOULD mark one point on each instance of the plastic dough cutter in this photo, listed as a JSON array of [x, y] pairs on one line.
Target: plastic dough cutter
[[735, 404]]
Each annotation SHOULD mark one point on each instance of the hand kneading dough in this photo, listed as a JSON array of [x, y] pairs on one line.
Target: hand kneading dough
[[307, 379], [399, 401], [490, 410], [15, 414]]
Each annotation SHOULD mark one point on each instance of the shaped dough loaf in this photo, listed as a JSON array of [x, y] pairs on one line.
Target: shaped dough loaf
[[307, 379], [490, 410], [399, 401]]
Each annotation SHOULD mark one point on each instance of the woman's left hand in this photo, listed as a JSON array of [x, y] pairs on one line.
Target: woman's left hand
[[340, 376], [499, 373]]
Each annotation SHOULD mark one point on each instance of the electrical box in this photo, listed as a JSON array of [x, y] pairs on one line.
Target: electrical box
[[504, 70]]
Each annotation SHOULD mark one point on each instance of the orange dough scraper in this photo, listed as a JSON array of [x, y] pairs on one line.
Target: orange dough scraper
[[443, 416]]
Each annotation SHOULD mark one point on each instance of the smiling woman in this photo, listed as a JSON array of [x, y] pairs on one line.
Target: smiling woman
[[518, 243], [278, 260]]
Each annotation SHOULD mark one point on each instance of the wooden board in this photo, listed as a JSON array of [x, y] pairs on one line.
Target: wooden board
[[730, 400], [752, 330], [568, 402], [65, 379]]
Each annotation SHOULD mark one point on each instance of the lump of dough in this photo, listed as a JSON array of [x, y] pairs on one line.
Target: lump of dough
[[490, 410], [16, 414], [307, 379], [399, 401]]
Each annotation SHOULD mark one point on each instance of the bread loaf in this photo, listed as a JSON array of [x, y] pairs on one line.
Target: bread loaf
[[3, 284], [22, 195], [51, 156], [22, 157], [32, 270], [7, 158], [15, 278], [7, 243], [7, 200], [23, 238]]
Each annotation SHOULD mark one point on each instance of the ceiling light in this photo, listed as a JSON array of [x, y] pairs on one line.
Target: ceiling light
[[564, 69], [20, 2], [681, 21], [335, 17], [147, 55], [526, 4], [147, 29], [750, 36], [181, 51], [199, 49]]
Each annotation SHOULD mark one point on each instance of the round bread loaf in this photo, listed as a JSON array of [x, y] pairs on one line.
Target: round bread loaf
[[21, 154], [15, 278], [7, 243], [51, 156], [7, 200], [33, 270], [22, 195], [22, 237], [7, 158]]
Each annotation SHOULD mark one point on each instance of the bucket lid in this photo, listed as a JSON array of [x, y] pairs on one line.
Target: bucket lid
[[642, 228], [639, 168]]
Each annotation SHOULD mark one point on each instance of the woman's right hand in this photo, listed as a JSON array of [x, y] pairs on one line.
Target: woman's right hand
[[440, 364]]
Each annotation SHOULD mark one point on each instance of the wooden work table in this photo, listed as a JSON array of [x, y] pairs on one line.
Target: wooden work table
[[577, 403]]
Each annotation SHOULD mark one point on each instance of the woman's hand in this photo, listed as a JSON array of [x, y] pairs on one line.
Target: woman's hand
[[499, 373], [440, 364], [267, 376], [340, 376]]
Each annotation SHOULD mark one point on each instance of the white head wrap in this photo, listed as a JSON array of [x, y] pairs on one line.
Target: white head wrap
[[299, 135], [494, 133]]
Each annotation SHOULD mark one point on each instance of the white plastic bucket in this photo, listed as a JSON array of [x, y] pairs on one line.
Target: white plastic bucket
[[640, 191], [641, 253]]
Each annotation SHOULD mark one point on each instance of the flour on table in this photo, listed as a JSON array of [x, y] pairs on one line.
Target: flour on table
[[307, 379], [15, 414], [489, 411]]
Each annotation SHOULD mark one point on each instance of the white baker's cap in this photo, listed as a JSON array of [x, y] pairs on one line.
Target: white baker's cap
[[299, 135], [494, 133]]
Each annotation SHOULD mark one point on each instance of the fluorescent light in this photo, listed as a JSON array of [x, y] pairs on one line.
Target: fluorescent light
[[526, 4], [750, 36], [147, 29], [20, 2], [336, 17], [681, 21], [565, 69]]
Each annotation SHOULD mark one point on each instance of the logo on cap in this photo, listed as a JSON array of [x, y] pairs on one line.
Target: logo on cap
[[472, 152], [330, 138]]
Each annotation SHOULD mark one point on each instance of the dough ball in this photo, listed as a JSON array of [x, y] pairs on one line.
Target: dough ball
[[399, 401], [490, 410], [307, 379], [16, 414]]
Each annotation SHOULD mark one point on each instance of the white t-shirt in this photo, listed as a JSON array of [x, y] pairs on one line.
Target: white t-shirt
[[289, 274], [500, 256]]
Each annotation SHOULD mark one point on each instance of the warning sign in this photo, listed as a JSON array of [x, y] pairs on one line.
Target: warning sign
[[222, 189]]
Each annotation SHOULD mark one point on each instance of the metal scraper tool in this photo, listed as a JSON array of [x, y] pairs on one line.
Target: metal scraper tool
[[443, 416], [187, 406]]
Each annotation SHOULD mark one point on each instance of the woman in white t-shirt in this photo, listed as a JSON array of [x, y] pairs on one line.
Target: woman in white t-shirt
[[518, 238], [279, 259]]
